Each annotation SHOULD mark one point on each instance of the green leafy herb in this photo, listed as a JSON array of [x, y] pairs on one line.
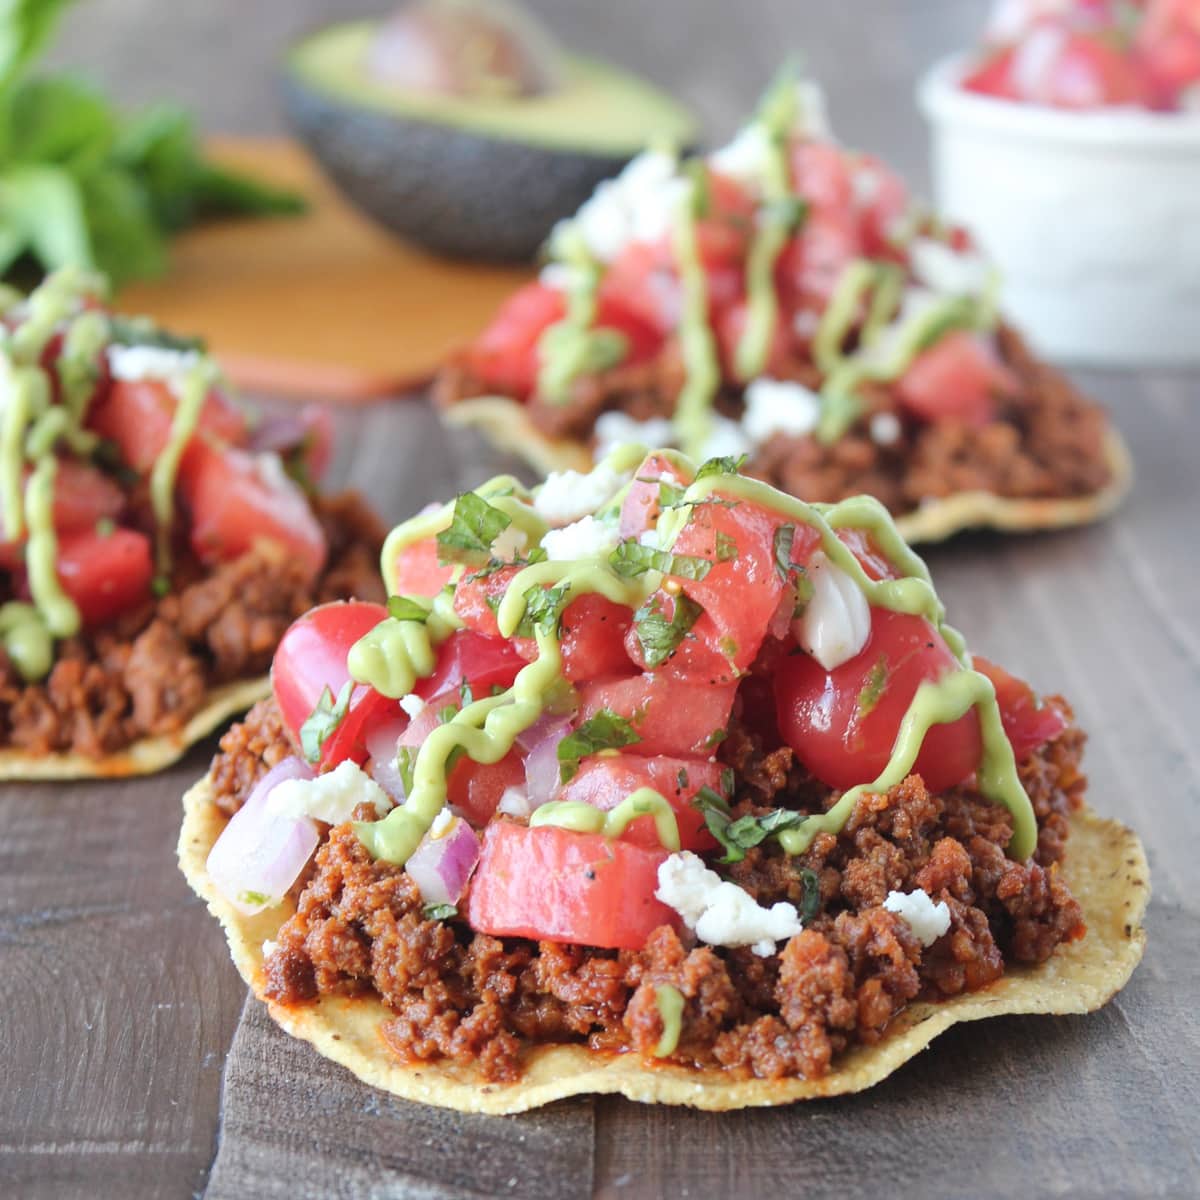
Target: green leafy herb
[[535, 555], [439, 912], [324, 720], [727, 465], [681, 779], [810, 900], [602, 731], [88, 186], [465, 695], [404, 608], [474, 526], [804, 592], [715, 738], [543, 610], [871, 691], [106, 527], [726, 547], [406, 758], [738, 836], [448, 713], [785, 535], [659, 637], [142, 331], [631, 558], [255, 898]]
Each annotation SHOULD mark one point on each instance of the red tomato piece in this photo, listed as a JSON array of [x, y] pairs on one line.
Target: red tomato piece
[[731, 326], [475, 788], [1028, 722], [1168, 45], [811, 262], [505, 355], [105, 574], [466, 656], [555, 885], [992, 76], [956, 379], [642, 505], [137, 416], [882, 200], [740, 593], [593, 633], [670, 715], [603, 781], [238, 499], [312, 657], [418, 572], [476, 597], [83, 495], [842, 724], [821, 174]]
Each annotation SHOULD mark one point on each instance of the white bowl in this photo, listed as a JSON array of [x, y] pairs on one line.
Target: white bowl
[[1093, 217]]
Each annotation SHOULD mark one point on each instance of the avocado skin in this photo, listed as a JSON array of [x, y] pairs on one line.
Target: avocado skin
[[452, 191]]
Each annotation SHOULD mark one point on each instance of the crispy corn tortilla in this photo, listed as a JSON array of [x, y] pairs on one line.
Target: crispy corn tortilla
[[1106, 868], [507, 425], [143, 757]]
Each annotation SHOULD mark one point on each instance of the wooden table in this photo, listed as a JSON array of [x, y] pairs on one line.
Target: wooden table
[[119, 1009]]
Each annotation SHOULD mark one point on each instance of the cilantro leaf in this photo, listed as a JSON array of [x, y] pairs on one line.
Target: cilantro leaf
[[874, 687], [738, 836], [810, 901], [474, 526], [406, 758], [785, 535], [543, 610], [142, 331], [727, 465], [631, 558], [604, 730], [322, 723], [402, 608], [659, 637], [439, 912], [726, 547]]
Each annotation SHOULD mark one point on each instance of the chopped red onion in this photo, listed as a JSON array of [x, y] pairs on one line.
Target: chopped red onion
[[541, 763], [382, 742], [260, 854], [441, 865], [279, 433]]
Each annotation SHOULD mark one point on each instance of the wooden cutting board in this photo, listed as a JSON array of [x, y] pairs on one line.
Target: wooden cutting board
[[324, 305]]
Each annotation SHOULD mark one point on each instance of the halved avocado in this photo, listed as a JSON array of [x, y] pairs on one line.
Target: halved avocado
[[472, 177]]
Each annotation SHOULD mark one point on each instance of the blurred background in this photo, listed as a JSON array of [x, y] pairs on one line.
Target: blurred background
[[220, 59]]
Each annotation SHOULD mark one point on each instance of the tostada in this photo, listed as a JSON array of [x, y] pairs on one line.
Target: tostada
[[785, 298], [155, 539], [659, 782]]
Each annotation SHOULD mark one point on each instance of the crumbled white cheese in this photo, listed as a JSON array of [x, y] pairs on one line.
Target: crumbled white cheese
[[926, 919], [649, 537], [638, 205], [510, 543], [412, 704], [441, 823], [914, 304], [331, 797], [269, 947], [779, 406], [726, 439], [720, 912], [133, 363], [884, 428], [568, 495], [515, 802], [586, 538], [615, 429], [837, 621], [948, 271], [747, 158]]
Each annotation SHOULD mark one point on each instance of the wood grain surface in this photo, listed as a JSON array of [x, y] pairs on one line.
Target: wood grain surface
[[120, 1015]]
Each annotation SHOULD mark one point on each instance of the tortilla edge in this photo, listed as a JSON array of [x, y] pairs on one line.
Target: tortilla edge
[[507, 425], [143, 757], [347, 1030]]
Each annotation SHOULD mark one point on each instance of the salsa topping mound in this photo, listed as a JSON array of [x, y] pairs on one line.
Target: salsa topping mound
[[655, 758]]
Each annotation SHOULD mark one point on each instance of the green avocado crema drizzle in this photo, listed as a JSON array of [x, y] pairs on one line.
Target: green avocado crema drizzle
[[398, 652], [32, 426], [670, 1002]]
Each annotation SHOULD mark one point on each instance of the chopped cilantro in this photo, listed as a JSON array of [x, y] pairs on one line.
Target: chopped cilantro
[[254, 898], [715, 738], [602, 731], [406, 758], [804, 592], [727, 549], [160, 585], [728, 465], [785, 535], [439, 912], [465, 695], [631, 558], [872, 690], [473, 528], [738, 836], [448, 714], [402, 608], [659, 637], [727, 781], [142, 331], [682, 779], [811, 897], [106, 527], [543, 608], [324, 720]]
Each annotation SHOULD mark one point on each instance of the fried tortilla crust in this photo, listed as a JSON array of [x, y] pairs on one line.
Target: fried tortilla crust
[[1105, 868], [508, 426]]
